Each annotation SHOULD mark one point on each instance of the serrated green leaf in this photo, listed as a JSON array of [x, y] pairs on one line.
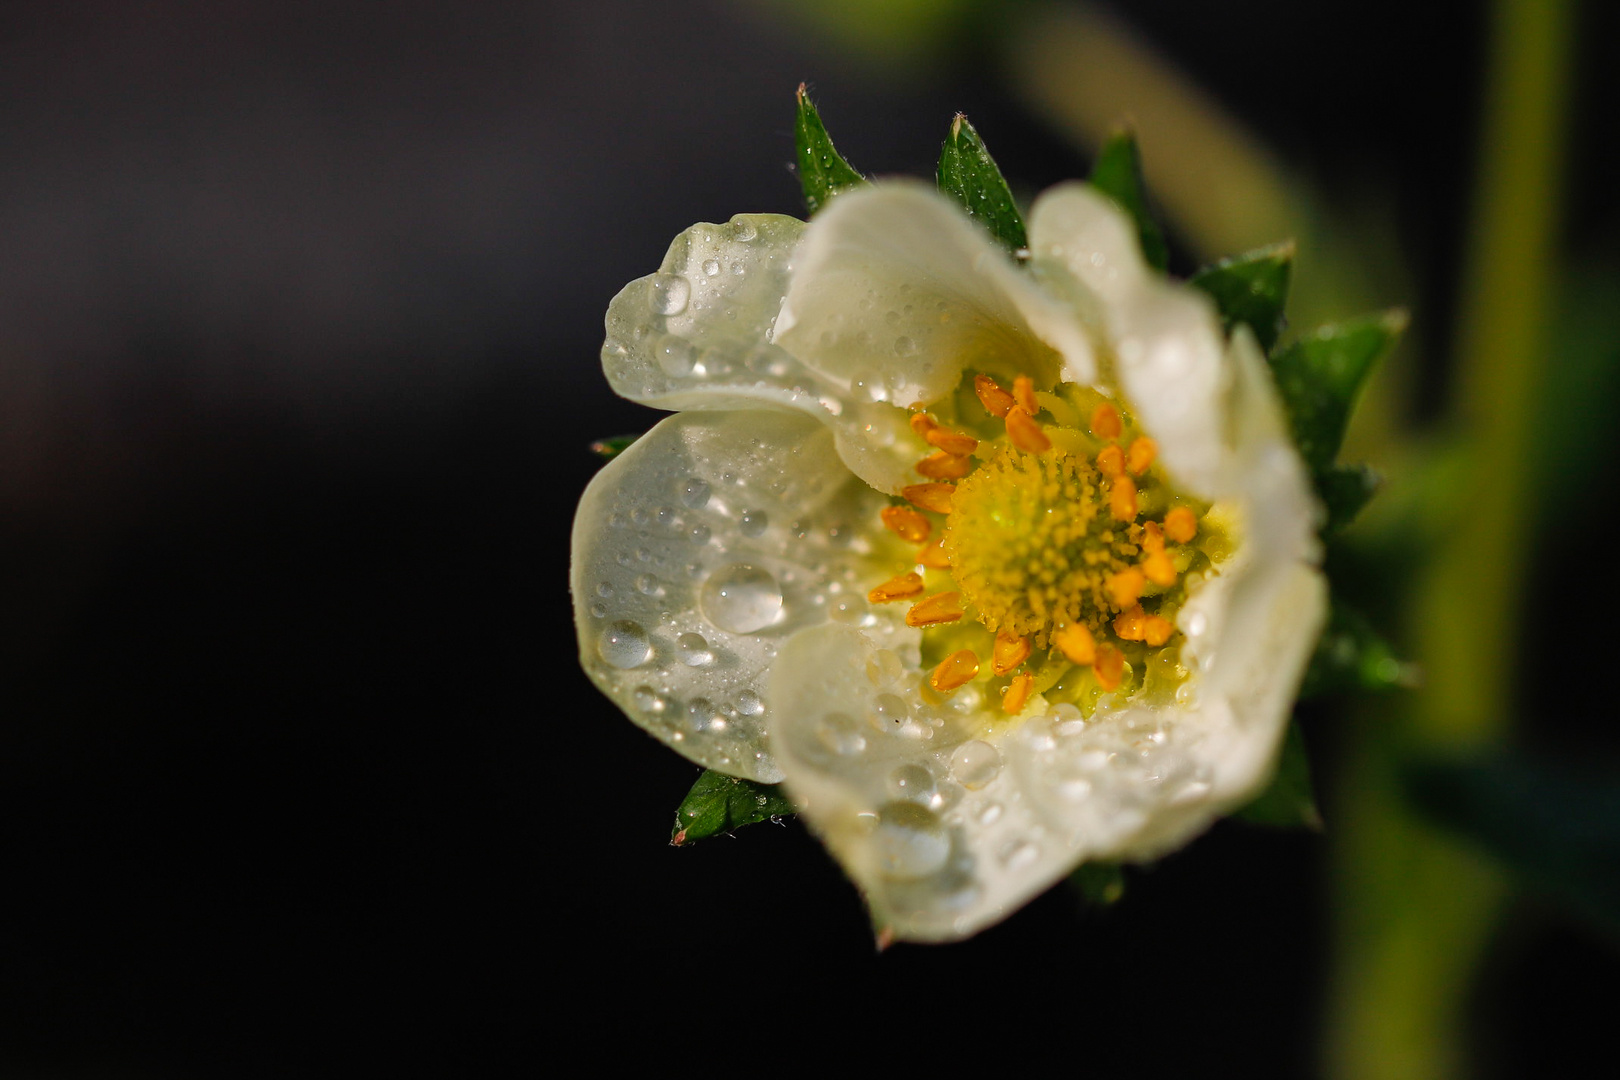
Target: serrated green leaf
[[1117, 173], [719, 804], [1320, 376], [1555, 827], [823, 172], [1344, 490], [1290, 800], [612, 446], [1251, 288], [1351, 655], [969, 173], [1099, 883]]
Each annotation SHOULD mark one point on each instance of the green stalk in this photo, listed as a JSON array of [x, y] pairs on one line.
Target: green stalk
[[1416, 911]]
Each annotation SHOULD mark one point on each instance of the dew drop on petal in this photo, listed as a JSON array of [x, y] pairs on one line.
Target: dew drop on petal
[[912, 782], [904, 346], [649, 585], [675, 355], [649, 700], [750, 703], [741, 598], [693, 650], [837, 732], [624, 644], [711, 267], [753, 523], [695, 492], [670, 293], [890, 712], [705, 717], [700, 533], [975, 764], [1020, 854], [911, 841]]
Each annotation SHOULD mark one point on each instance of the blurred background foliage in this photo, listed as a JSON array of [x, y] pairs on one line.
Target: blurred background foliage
[[298, 334]]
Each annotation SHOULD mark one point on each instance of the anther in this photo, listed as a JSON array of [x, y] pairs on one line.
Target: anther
[[1181, 524], [995, 400], [1159, 569], [952, 442], [1111, 461], [1156, 630], [1141, 455], [935, 497], [931, 611], [1109, 666], [944, 466], [1131, 625], [1016, 695], [1010, 650], [1075, 642], [1125, 587], [1024, 394], [1105, 422], [922, 424], [906, 523], [1122, 499], [903, 587], [955, 670], [933, 556], [1025, 433]]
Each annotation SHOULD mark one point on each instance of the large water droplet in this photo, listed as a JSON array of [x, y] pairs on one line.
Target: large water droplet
[[705, 717], [670, 293], [911, 842], [675, 355], [975, 764], [912, 782], [904, 346], [649, 585], [711, 267], [741, 598], [750, 703], [693, 650], [695, 492], [649, 700], [624, 644], [753, 523], [743, 231]]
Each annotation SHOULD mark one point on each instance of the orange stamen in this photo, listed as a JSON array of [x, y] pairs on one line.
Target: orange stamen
[[1075, 642], [1016, 695], [1111, 461], [1024, 394], [1156, 630], [1130, 625], [903, 587], [995, 400], [1110, 666], [1159, 569], [1025, 433], [955, 670], [1010, 651], [906, 523], [1125, 587], [1122, 499], [935, 497], [933, 556], [952, 442], [1141, 454], [922, 424], [1105, 422], [943, 466], [1181, 524], [940, 608]]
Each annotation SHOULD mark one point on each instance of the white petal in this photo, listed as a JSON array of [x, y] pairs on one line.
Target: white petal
[[1166, 340], [896, 289], [700, 549]]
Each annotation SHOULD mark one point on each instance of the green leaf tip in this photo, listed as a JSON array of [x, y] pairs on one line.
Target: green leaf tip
[[823, 172], [719, 804], [1319, 378], [1117, 173], [970, 175], [1351, 655], [612, 446], [1344, 491], [1251, 288], [1289, 802]]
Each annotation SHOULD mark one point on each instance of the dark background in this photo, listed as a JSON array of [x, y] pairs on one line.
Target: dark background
[[299, 313]]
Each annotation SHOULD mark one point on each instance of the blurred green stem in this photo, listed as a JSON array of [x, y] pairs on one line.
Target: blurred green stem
[[1415, 911]]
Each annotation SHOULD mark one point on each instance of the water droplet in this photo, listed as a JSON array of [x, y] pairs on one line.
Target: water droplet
[[883, 667], [675, 355], [616, 520], [750, 703], [649, 585], [700, 533], [693, 650], [649, 700], [666, 516], [695, 493], [1019, 854], [741, 598], [1197, 623], [640, 516], [670, 293], [753, 523], [738, 269], [890, 712], [599, 610], [604, 589], [904, 346], [711, 267], [837, 732], [975, 764], [744, 231], [990, 814], [912, 782], [911, 842], [705, 717], [624, 644]]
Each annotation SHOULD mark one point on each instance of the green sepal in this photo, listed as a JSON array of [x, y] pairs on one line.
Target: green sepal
[[1117, 173], [1344, 490], [1554, 826], [1351, 655], [969, 173], [612, 446], [823, 172], [1099, 883], [1320, 376], [1290, 801], [719, 804], [1251, 288]]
